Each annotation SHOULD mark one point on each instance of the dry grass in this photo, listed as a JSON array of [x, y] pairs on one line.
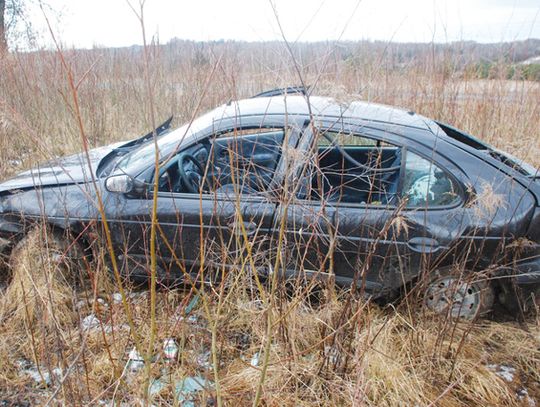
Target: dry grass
[[388, 359], [336, 350]]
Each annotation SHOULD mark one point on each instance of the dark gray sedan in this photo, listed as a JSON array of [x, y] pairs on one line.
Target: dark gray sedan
[[360, 194]]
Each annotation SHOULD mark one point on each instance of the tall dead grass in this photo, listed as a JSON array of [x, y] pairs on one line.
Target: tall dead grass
[[34, 93], [322, 348]]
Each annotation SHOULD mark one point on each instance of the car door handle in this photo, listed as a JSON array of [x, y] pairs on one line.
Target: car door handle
[[250, 227], [423, 245], [263, 158]]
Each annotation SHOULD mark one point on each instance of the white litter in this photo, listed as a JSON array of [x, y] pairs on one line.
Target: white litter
[[39, 376], [185, 388], [203, 360], [90, 322], [170, 349], [135, 360], [193, 319], [255, 359], [523, 395], [87, 303]]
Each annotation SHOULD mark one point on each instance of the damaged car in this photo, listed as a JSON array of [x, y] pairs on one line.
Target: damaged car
[[359, 194]]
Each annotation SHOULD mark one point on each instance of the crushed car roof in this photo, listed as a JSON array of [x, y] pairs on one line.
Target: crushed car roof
[[321, 106]]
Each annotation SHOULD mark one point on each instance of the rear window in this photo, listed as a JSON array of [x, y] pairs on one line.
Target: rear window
[[502, 157]]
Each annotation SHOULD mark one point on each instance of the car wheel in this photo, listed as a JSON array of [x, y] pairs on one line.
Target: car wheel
[[454, 297], [45, 268], [56, 250]]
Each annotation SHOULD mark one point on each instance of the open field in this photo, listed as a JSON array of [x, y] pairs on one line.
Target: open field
[[67, 347]]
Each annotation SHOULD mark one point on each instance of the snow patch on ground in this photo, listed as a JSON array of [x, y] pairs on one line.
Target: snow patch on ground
[[503, 371]]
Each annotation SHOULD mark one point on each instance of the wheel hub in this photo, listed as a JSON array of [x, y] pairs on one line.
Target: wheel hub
[[456, 298]]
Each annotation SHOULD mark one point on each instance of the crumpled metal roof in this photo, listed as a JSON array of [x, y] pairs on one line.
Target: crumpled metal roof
[[321, 106]]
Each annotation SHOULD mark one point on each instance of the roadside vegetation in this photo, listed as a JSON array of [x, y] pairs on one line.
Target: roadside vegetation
[[241, 341]]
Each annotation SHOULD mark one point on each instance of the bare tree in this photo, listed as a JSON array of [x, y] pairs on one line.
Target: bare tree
[[15, 25], [3, 40]]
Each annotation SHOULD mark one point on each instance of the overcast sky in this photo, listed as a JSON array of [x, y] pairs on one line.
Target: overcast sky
[[85, 23]]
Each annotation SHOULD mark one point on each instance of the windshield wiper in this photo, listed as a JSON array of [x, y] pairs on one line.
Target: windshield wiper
[[160, 130], [106, 165]]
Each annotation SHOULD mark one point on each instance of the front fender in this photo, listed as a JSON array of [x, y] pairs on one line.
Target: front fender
[[62, 207]]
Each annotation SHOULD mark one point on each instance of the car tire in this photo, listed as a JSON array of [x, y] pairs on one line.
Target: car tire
[[45, 268], [458, 297], [42, 250]]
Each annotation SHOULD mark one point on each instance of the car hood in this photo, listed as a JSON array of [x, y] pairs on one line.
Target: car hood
[[72, 169], [76, 169]]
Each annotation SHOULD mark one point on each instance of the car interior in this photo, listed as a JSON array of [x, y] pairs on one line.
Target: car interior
[[349, 168], [354, 169], [242, 161]]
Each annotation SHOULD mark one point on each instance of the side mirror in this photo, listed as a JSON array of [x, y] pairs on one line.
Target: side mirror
[[121, 183]]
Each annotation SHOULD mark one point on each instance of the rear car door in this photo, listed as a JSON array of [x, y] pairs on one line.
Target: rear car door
[[353, 222], [391, 245], [339, 222]]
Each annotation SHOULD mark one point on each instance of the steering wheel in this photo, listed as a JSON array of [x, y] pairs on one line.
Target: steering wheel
[[192, 178], [368, 169]]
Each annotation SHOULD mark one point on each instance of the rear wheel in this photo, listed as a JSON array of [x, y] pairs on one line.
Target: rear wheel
[[460, 299]]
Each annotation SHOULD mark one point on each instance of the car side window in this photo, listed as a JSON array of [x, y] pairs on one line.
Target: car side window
[[183, 172], [426, 184], [244, 160], [240, 160], [345, 139], [353, 168]]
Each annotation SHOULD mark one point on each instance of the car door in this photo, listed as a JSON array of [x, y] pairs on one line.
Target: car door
[[387, 247], [209, 228], [245, 169], [198, 230], [371, 233], [338, 220]]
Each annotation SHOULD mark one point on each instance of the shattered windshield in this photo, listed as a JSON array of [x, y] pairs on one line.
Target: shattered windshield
[[168, 143]]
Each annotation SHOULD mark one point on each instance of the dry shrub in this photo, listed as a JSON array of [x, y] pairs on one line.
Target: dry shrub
[[486, 203], [379, 357]]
